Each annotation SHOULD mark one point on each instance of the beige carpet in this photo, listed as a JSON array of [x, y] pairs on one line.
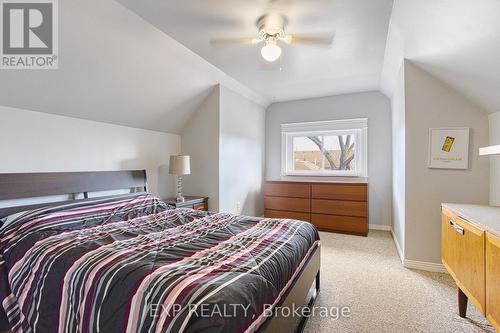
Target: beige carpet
[[366, 275]]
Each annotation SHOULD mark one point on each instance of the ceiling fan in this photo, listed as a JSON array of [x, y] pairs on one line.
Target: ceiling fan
[[272, 31]]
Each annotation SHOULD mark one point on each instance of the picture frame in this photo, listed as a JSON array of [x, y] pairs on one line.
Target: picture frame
[[449, 148]]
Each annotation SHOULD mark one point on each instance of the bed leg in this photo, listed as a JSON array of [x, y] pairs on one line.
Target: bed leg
[[317, 282], [462, 303]]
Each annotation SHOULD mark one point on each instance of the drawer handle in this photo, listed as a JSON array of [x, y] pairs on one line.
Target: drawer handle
[[457, 228]]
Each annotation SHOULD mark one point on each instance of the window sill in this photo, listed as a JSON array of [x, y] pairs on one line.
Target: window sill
[[326, 179], [291, 174]]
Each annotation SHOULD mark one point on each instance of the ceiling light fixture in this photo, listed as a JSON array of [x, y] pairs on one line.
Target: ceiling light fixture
[[271, 51], [271, 32]]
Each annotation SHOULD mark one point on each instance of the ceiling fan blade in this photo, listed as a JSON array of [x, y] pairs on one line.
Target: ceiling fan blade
[[229, 41], [298, 39]]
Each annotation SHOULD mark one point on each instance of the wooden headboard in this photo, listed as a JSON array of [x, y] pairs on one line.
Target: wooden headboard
[[31, 185]]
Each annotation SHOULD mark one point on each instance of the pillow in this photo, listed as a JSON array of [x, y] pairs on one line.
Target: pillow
[[9, 218], [52, 207]]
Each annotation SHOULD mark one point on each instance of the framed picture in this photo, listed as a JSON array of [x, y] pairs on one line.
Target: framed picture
[[449, 148]]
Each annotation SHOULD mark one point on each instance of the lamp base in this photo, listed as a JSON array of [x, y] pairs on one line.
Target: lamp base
[[179, 197]]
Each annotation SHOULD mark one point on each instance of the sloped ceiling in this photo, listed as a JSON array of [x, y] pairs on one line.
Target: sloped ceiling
[[117, 68], [352, 64], [119, 64], [457, 41]]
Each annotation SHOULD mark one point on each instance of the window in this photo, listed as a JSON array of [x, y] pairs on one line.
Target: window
[[325, 148]]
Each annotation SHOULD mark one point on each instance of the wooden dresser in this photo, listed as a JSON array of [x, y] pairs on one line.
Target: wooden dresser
[[333, 206], [471, 254]]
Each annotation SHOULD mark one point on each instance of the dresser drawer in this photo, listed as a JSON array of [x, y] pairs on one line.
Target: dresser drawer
[[200, 206], [463, 255], [339, 207], [340, 192], [291, 190], [493, 280], [287, 215], [347, 224], [288, 204]]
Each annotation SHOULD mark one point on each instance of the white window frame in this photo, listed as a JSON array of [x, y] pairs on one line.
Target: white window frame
[[358, 127]]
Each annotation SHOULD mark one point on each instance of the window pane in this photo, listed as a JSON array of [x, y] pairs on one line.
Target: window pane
[[325, 148], [306, 154], [339, 152]]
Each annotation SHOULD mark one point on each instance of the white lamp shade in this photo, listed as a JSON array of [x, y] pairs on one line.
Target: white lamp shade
[[179, 165]]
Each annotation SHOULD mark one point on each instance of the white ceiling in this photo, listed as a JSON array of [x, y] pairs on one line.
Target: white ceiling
[[352, 64], [114, 67], [457, 41]]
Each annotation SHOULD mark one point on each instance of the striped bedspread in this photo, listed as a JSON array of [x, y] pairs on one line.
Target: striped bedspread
[[133, 264]]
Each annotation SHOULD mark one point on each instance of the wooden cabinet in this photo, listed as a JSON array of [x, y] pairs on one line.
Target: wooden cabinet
[[493, 280], [471, 254], [464, 257], [339, 207]]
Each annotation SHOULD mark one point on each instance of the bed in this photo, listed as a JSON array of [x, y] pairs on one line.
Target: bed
[[130, 263]]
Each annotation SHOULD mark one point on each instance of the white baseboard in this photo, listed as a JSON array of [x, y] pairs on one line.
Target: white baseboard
[[425, 266], [382, 227], [415, 264], [398, 247]]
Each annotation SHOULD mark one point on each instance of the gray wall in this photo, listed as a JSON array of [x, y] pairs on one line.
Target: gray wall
[[200, 140], [40, 142], [431, 103], [225, 139], [494, 160], [371, 105], [398, 163], [242, 134]]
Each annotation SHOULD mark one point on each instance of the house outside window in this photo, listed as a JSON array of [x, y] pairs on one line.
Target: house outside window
[[325, 148]]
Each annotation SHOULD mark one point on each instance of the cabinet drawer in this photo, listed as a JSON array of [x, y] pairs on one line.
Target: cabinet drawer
[[493, 280], [299, 190], [348, 224], [200, 206], [338, 207], [354, 192], [463, 255], [287, 215], [288, 204]]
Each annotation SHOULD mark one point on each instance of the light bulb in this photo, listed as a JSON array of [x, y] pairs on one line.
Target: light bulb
[[271, 52]]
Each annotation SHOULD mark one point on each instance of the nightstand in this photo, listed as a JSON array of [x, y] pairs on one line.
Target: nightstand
[[198, 203]]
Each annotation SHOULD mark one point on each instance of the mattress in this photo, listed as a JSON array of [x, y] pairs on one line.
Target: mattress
[[134, 264]]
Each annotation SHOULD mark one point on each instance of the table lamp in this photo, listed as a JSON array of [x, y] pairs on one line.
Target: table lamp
[[179, 166]]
